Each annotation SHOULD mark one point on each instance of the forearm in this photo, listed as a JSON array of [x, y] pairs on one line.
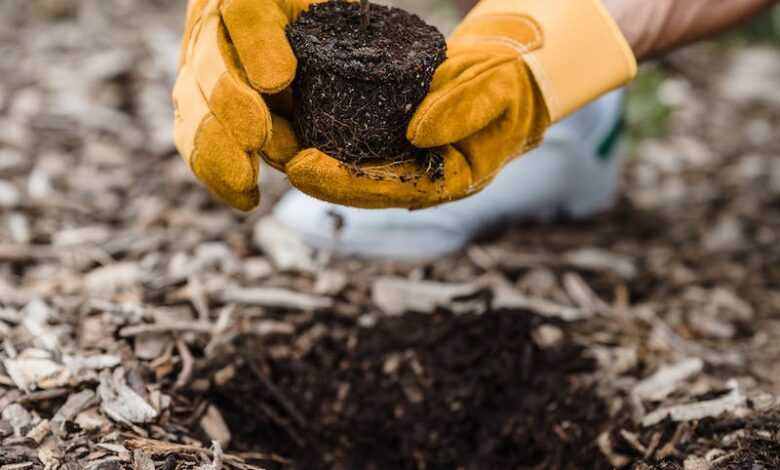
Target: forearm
[[656, 26]]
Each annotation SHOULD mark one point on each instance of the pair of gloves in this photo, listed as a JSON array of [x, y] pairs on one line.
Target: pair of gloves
[[514, 68]]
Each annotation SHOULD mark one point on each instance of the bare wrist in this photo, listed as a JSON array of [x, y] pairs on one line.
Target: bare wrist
[[654, 27]]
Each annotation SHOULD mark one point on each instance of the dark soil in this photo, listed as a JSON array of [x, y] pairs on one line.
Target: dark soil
[[425, 391], [357, 87]]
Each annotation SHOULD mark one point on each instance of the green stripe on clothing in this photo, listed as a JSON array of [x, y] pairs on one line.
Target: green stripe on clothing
[[607, 147]]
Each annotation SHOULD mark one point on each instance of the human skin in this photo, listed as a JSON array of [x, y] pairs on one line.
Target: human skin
[[653, 27]]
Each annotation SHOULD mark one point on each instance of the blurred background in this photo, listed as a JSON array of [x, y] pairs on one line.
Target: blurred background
[[95, 204]]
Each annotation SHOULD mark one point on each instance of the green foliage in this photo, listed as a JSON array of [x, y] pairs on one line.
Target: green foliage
[[646, 115], [764, 29]]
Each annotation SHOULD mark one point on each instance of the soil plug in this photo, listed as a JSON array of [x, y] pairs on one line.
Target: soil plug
[[357, 87]]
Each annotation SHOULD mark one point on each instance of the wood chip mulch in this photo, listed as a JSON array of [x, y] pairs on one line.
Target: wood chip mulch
[[145, 326]]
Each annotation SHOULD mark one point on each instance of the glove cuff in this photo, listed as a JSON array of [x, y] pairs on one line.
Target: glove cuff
[[581, 55]]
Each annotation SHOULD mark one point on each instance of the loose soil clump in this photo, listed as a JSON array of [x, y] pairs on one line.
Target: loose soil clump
[[422, 391], [358, 86]]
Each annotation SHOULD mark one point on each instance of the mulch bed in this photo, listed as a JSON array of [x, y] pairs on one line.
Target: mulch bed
[[145, 326]]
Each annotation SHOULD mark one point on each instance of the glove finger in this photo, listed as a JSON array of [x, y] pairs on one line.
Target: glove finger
[[485, 159], [235, 104], [257, 29], [224, 168], [518, 130], [283, 144], [190, 110], [208, 150], [467, 94], [381, 185], [194, 13]]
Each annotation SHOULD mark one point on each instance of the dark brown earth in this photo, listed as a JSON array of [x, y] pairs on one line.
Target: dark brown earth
[[357, 87], [423, 388]]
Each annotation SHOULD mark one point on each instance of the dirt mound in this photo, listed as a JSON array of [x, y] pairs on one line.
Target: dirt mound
[[425, 391]]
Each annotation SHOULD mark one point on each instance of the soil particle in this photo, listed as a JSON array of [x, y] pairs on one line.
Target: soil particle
[[357, 87]]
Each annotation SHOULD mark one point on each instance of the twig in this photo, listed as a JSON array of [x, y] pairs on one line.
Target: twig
[[365, 13], [18, 252], [186, 365], [667, 379], [167, 327], [698, 410], [43, 395], [282, 423], [198, 298], [276, 393], [275, 297], [264, 456], [156, 447]]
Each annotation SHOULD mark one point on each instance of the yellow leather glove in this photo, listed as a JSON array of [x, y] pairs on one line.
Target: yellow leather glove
[[514, 67], [234, 50]]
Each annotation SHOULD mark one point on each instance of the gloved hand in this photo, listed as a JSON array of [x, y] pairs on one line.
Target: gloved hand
[[514, 67], [234, 50]]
